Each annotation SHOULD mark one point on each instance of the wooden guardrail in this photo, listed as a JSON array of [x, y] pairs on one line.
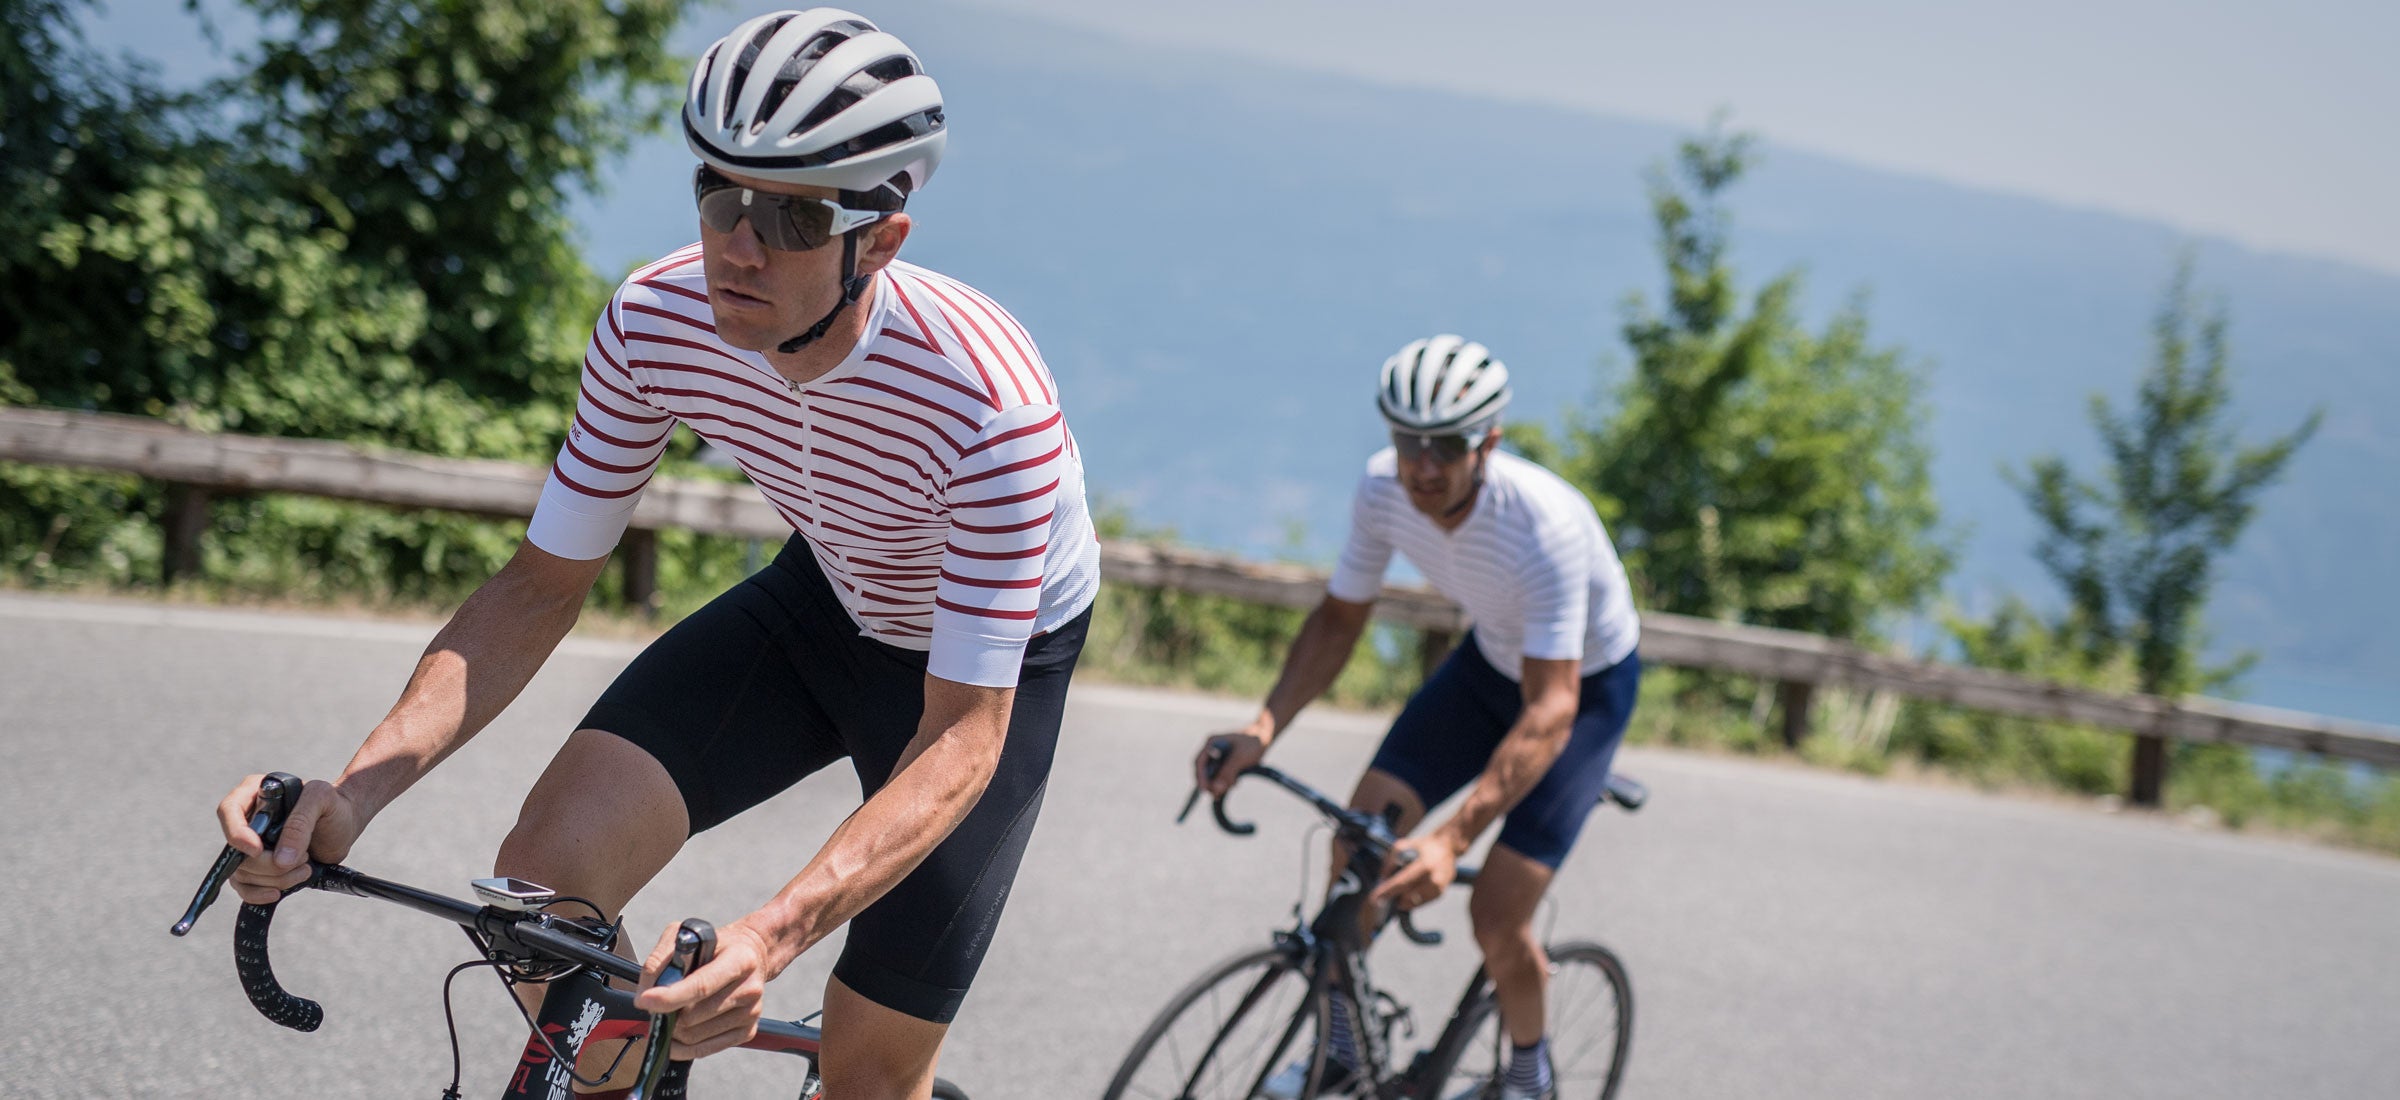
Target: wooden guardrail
[[200, 464]]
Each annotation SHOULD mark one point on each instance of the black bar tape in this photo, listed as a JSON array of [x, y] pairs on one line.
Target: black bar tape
[[258, 978]]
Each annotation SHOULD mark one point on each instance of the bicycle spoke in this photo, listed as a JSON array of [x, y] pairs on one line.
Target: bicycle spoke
[[1587, 1021], [1219, 1035]]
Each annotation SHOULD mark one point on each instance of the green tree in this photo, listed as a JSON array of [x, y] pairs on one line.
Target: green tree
[[1754, 469], [2136, 548], [443, 139], [363, 236]]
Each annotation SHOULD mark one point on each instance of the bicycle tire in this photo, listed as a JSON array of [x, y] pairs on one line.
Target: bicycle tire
[[1274, 969], [1606, 968]]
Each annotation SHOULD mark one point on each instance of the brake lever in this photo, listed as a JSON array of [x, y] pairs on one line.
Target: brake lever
[[277, 794], [1213, 760], [695, 944], [1408, 924]]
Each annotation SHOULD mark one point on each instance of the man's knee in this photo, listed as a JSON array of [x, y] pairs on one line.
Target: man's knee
[[876, 1053], [1381, 792], [1494, 928], [602, 819]]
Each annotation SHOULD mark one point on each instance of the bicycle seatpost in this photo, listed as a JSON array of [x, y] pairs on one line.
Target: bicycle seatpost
[[277, 794]]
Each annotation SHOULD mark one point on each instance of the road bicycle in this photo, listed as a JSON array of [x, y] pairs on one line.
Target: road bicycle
[[518, 935], [1241, 1022]]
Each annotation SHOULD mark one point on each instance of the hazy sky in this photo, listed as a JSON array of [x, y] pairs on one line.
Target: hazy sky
[[2270, 123]]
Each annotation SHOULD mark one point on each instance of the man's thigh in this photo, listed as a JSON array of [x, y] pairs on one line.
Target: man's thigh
[[1508, 891], [917, 949], [599, 824], [731, 702]]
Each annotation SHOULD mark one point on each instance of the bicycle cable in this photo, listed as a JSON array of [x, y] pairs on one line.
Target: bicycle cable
[[450, 1021], [1309, 845], [509, 982], [585, 902]]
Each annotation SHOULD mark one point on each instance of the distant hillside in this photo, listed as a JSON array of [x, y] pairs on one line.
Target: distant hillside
[[1215, 254]]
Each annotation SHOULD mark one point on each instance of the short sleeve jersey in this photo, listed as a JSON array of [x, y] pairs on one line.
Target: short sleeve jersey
[[931, 472], [1531, 565]]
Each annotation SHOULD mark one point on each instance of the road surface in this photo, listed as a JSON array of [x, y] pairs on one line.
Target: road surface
[[1791, 933]]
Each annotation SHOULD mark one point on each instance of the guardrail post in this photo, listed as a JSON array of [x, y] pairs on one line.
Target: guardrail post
[[186, 519], [640, 562], [2149, 779], [1795, 697], [1432, 646]]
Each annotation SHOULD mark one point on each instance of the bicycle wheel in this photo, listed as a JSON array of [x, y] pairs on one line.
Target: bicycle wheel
[[1590, 1009], [1223, 1034]]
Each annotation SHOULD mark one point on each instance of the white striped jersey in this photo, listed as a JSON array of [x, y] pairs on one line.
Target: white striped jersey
[[1531, 565], [931, 471]]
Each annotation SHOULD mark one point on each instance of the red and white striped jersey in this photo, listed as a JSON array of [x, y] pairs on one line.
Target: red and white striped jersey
[[931, 471]]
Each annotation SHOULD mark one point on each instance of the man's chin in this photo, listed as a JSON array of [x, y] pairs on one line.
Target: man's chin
[[747, 337]]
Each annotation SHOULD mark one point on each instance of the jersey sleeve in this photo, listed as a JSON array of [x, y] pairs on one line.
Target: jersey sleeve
[[1358, 575], [612, 448], [1003, 496], [1555, 573]]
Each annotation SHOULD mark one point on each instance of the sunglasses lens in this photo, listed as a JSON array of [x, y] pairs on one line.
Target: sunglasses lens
[[721, 209], [1445, 448], [788, 223]]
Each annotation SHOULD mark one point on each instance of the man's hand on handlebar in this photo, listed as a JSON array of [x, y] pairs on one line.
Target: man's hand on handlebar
[[722, 1001], [1222, 758], [323, 825], [1417, 871]]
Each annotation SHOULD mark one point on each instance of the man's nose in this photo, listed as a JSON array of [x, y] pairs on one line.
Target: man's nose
[[743, 247]]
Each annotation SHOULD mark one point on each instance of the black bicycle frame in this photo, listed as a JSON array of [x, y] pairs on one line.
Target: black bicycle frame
[[506, 936], [1332, 945]]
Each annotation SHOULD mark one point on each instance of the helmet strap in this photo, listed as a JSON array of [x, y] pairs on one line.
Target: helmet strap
[[853, 284]]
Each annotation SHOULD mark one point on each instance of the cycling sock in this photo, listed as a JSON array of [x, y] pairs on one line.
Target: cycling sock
[[1529, 1067], [1341, 1041]]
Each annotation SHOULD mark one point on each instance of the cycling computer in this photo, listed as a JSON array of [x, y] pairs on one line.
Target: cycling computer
[[512, 893]]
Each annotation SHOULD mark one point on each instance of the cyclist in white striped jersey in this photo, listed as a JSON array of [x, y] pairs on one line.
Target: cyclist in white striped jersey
[[1525, 714], [923, 620]]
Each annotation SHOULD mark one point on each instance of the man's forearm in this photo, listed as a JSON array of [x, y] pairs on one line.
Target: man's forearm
[[1318, 655], [471, 671], [937, 782], [880, 844], [1524, 756]]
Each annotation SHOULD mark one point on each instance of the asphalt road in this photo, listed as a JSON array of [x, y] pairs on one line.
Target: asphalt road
[[1790, 933]]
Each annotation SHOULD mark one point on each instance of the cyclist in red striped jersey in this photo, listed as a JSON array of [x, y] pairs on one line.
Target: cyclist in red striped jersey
[[923, 620]]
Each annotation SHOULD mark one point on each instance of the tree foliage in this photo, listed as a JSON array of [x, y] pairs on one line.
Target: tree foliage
[[2135, 548], [443, 139], [1753, 469], [363, 236]]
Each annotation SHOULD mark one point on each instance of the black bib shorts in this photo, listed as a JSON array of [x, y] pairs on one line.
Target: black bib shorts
[[772, 681]]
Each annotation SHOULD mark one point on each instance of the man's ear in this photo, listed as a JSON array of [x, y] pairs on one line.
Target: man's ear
[[883, 242], [1491, 440]]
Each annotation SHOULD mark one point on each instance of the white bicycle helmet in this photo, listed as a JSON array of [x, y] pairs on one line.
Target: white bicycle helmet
[[1444, 385], [816, 97]]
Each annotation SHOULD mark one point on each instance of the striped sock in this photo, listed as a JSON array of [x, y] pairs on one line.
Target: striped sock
[[1341, 1042], [1529, 1067]]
